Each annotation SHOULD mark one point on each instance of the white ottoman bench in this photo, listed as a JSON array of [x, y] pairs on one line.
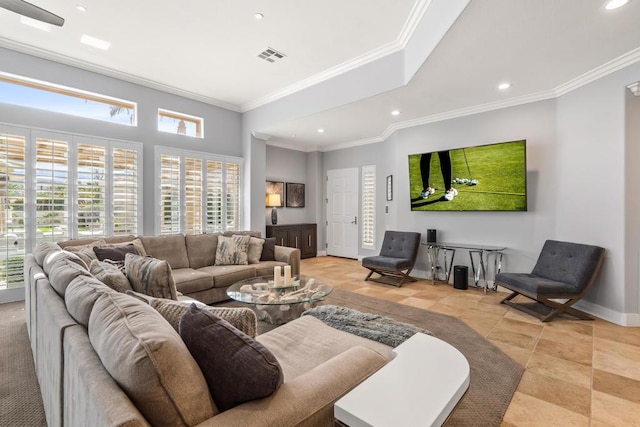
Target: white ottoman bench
[[419, 387]]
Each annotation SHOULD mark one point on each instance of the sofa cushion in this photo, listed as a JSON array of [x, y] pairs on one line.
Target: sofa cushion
[[171, 248], [85, 252], [201, 249], [237, 368], [62, 272], [92, 240], [149, 361], [110, 275], [42, 250], [114, 253], [189, 280], [54, 256], [242, 233], [226, 275], [268, 249], [242, 318], [254, 251], [150, 276], [81, 295], [232, 250]]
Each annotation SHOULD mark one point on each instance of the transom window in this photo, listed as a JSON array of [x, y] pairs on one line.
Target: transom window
[[179, 123], [26, 92]]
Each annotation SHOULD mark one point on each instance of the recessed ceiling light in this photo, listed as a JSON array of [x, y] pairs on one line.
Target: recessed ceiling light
[[614, 4], [35, 24], [94, 42], [395, 113], [320, 130], [504, 86], [259, 16], [81, 8]]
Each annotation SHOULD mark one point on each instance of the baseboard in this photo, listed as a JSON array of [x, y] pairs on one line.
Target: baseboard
[[622, 319], [322, 253], [11, 295]]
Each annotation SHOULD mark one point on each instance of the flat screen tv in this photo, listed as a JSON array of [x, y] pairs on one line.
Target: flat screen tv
[[489, 177]]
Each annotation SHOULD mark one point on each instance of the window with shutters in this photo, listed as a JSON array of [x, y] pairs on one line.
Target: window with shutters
[[368, 206], [56, 186], [180, 123], [198, 192]]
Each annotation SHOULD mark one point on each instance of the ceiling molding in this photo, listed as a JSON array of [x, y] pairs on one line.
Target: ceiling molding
[[603, 70], [289, 146], [109, 72], [412, 22], [634, 88]]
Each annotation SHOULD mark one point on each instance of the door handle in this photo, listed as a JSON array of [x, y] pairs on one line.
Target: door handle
[[355, 220]]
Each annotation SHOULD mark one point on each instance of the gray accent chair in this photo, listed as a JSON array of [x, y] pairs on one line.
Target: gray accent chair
[[396, 260], [564, 271]]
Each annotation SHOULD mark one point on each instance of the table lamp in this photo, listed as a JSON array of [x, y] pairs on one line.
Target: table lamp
[[273, 200]]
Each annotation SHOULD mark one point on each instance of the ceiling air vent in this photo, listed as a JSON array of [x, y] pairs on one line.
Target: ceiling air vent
[[271, 55]]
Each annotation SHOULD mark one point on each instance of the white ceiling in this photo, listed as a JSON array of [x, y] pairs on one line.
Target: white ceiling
[[208, 51]]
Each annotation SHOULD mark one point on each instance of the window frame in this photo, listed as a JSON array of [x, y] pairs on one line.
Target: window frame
[[368, 196], [197, 121]]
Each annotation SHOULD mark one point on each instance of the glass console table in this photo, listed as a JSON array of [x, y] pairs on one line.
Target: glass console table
[[480, 256]]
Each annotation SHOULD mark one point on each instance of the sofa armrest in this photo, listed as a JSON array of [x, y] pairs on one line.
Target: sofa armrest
[[309, 398], [290, 256]]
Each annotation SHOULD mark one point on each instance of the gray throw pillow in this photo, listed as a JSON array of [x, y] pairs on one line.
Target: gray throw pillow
[[254, 250], [110, 275], [150, 276], [114, 253], [236, 367], [232, 250]]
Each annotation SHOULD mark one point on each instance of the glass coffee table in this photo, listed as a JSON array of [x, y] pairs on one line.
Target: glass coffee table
[[280, 304]]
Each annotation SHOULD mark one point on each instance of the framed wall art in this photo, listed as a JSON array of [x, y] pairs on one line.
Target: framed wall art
[[275, 187], [295, 195]]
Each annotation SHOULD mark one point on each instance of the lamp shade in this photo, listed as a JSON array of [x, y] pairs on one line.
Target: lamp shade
[[273, 200]]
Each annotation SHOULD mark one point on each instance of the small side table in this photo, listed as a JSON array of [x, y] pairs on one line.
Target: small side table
[[419, 387]]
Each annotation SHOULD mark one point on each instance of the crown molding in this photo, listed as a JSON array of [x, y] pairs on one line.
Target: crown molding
[[603, 70], [289, 146], [110, 72], [412, 22]]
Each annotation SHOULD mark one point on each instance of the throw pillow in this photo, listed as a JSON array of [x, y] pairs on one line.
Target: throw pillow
[[110, 275], [149, 361], [232, 250], [150, 276], [269, 249], [114, 253], [236, 367], [254, 250], [242, 318], [85, 252]]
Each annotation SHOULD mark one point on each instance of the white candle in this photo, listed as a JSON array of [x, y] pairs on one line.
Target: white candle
[[277, 275], [287, 275]]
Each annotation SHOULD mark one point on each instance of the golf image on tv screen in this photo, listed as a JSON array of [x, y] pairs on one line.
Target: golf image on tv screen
[[489, 177]]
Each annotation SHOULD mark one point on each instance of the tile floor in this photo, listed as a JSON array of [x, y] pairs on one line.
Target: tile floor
[[578, 373]]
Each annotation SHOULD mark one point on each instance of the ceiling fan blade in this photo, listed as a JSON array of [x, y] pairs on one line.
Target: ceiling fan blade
[[32, 11]]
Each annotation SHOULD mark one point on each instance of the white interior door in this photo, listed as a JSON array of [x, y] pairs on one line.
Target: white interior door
[[342, 212]]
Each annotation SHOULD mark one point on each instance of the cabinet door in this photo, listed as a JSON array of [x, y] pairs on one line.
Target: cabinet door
[[295, 237], [309, 246], [282, 236]]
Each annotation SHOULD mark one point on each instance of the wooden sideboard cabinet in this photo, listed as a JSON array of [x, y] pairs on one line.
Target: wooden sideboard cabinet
[[301, 236]]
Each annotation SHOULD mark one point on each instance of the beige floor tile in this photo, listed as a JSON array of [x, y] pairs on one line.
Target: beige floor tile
[[561, 393], [523, 317], [561, 369], [526, 410], [513, 338], [404, 291], [616, 385], [614, 411], [518, 354], [417, 302], [580, 353], [447, 309], [612, 332], [616, 358], [524, 328]]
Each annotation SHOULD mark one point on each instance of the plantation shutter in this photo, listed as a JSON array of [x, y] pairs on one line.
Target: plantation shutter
[[193, 195], [125, 191], [169, 194], [214, 196], [91, 190], [12, 209], [52, 189], [368, 206], [233, 196]]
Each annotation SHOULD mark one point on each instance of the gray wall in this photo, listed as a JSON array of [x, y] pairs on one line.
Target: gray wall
[[289, 166], [222, 127], [632, 198]]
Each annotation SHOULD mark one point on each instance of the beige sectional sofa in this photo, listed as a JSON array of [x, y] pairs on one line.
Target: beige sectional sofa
[[80, 357]]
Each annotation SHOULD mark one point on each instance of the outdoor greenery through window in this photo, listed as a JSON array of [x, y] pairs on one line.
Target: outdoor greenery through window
[[79, 187], [42, 95], [197, 192], [179, 123]]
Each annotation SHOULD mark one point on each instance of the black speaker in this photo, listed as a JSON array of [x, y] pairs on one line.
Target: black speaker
[[460, 277], [431, 236]]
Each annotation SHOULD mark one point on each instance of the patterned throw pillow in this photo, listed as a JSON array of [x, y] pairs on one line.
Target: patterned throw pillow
[[255, 250], [237, 368], [110, 275], [150, 276], [232, 250]]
